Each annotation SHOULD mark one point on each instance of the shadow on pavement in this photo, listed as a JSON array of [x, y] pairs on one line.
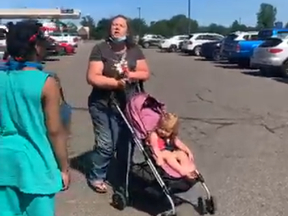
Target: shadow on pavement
[[184, 54], [256, 74], [51, 59], [227, 66], [281, 80], [80, 109], [141, 201], [203, 59]]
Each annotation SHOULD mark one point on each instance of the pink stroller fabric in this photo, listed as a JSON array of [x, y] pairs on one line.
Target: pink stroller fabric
[[143, 112]]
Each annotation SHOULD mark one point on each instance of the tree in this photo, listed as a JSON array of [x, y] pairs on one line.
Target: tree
[[102, 28], [72, 27], [236, 26], [286, 26], [160, 27], [266, 16], [179, 24], [138, 26], [88, 21]]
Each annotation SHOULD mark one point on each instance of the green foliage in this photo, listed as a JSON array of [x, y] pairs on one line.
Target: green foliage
[[266, 16], [179, 24]]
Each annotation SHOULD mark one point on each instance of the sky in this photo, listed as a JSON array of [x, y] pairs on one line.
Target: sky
[[222, 12]]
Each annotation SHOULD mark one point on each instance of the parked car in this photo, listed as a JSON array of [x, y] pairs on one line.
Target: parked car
[[172, 44], [70, 38], [211, 50], [3, 32], [271, 57], [192, 46], [53, 47], [243, 50], [66, 47], [228, 44], [150, 40]]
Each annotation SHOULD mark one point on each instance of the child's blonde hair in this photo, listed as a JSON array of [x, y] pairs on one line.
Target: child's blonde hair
[[168, 125]]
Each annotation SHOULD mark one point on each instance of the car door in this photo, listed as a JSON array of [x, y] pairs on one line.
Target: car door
[[156, 40], [66, 37], [200, 39]]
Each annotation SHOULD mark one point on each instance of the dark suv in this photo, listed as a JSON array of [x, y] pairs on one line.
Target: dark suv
[[150, 40]]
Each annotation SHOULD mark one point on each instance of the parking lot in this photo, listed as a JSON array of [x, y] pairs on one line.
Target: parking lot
[[233, 119]]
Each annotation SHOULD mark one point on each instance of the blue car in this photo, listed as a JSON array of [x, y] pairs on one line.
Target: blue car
[[243, 50]]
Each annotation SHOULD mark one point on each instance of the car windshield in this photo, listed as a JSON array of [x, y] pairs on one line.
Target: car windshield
[[264, 34], [231, 36], [2, 34], [190, 36], [271, 42]]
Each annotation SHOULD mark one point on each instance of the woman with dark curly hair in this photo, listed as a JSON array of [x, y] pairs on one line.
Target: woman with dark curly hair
[[108, 62], [33, 155]]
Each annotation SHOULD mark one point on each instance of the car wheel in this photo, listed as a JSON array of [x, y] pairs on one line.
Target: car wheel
[[62, 51], [284, 70], [197, 51], [216, 55], [173, 48], [146, 45], [232, 61], [244, 63], [264, 72]]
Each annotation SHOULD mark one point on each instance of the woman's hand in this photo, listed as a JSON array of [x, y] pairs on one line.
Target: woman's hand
[[121, 84], [65, 179]]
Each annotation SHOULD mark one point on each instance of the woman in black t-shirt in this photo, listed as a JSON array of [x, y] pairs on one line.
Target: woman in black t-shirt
[[106, 59]]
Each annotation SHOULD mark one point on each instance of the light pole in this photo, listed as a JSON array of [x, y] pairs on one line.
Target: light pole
[[139, 17], [189, 17]]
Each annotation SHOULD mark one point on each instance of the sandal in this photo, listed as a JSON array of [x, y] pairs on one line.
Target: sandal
[[99, 187]]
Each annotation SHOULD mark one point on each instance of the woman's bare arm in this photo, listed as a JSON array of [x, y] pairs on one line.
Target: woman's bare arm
[[95, 71], [142, 71], [58, 137]]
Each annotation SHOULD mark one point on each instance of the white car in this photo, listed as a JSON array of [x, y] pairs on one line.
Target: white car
[[192, 46], [172, 44], [271, 57], [3, 32], [71, 39]]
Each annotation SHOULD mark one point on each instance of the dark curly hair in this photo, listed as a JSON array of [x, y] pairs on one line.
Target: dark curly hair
[[22, 38]]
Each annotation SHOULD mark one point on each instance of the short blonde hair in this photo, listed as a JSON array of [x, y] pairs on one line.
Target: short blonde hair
[[168, 125]]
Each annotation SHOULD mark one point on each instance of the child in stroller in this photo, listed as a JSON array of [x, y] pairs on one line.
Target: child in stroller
[[168, 148], [147, 122]]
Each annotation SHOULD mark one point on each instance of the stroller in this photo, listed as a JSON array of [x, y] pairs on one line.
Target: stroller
[[141, 117]]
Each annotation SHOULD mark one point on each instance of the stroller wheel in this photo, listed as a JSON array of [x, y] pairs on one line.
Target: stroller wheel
[[211, 205], [202, 206], [119, 201]]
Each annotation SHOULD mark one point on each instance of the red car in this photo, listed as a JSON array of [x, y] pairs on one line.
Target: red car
[[69, 49]]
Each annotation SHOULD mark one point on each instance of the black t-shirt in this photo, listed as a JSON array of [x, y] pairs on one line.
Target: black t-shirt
[[103, 52]]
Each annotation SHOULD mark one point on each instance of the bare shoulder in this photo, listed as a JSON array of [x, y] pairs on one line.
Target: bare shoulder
[[51, 86]]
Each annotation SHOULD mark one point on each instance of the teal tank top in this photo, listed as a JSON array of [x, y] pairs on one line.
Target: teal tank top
[[26, 156]]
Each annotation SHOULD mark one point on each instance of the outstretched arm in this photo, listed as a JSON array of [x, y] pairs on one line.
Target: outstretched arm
[[181, 146]]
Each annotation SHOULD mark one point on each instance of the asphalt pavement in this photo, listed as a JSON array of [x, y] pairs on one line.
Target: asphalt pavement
[[234, 120]]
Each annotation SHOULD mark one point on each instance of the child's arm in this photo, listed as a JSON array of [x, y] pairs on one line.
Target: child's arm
[[154, 144], [181, 146]]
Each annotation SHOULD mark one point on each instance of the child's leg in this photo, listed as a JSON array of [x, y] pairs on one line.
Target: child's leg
[[171, 159], [184, 160]]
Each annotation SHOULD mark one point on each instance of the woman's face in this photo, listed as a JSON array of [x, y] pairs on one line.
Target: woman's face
[[119, 27]]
